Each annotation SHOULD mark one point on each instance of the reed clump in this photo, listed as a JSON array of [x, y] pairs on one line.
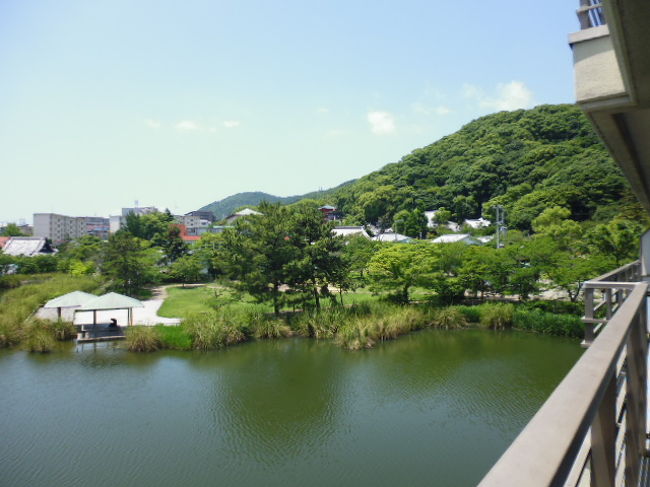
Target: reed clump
[[142, 339], [39, 338], [212, 330], [497, 316], [449, 318]]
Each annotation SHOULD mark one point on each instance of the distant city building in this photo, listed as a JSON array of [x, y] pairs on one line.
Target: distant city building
[[195, 225], [61, 228], [206, 215], [117, 221]]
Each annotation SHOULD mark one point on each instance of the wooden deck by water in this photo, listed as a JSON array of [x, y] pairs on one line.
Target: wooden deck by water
[[101, 332]]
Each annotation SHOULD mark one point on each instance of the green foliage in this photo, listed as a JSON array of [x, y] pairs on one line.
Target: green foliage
[[11, 230], [411, 223], [38, 337], [449, 318], [212, 330], [498, 316], [174, 337], [129, 262], [525, 160], [548, 323], [142, 339], [186, 269]]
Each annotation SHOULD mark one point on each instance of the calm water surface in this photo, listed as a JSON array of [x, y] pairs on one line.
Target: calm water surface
[[433, 408]]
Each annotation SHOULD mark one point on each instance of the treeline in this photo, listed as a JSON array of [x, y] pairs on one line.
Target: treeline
[[524, 160]]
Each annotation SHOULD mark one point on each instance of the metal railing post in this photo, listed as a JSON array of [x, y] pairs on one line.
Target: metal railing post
[[589, 315], [603, 437]]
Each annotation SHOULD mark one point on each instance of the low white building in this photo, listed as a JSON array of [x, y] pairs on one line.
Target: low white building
[[478, 223], [465, 238], [349, 231], [391, 237], [230, 219], [27, 247]]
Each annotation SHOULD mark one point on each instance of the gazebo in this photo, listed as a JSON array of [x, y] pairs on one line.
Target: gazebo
[[75, 299], [111, 301]]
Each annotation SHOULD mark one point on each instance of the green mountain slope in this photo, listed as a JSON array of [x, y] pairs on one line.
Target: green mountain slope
[[525, 160], [227, 206]]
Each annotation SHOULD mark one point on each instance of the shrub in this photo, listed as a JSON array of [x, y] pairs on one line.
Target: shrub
[[62, 330], [354, 336], [142, 339], [497, 316]]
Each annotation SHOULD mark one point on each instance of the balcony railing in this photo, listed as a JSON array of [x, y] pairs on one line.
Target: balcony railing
[[591, 14], [592, 429]]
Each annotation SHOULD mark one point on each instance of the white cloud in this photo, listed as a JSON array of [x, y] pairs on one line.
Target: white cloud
[[381, 123], [231, 124], [153, 124], [187, 125], [322, 110], [509, 96], [443, 110], [212, 129]]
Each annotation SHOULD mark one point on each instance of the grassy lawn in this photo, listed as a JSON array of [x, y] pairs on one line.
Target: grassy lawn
[[184, 301]]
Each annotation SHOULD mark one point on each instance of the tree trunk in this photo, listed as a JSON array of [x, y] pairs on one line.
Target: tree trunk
[[276, 303], [316, 296]]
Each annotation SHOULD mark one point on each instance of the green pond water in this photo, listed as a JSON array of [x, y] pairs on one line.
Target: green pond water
[[433, 408]]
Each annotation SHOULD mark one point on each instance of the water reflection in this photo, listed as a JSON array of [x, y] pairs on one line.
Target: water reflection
[[284, 413]]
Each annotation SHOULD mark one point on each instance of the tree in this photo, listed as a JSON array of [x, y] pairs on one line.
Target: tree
[[442, 216], [358, 251], [129, 262], [412, 223], [186, 269], [318, 259], [11, 230], [256, 253], [618, 238], [397, 268], [172, 244]]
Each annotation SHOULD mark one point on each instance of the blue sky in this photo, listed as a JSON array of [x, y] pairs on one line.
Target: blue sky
[[177, 104]]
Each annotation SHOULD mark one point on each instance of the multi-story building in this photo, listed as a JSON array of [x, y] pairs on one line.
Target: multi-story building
[[61, 228], [116, 221]]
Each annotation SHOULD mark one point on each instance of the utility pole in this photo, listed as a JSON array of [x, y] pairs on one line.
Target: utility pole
[[501, 226]]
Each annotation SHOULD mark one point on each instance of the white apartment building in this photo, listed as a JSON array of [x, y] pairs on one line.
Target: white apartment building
[[60, 228]]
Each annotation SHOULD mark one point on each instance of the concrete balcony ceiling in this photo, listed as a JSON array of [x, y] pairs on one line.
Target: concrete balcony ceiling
[[612, 81]]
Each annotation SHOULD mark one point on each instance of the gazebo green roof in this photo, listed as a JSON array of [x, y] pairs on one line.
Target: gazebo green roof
[[111, 301], [70, 300]]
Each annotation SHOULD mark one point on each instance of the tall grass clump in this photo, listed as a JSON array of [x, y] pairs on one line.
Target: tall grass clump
[[354, 336], [449, 318], [174, 337], [38, 337], [321, 325], [498, 316], [548, 323], [142, 339], [212, 330]]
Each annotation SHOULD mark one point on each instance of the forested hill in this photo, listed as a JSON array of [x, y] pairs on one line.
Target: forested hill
[[227, 206], [525, 160]]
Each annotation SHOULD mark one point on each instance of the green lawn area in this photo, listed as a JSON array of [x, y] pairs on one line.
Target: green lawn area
[[183, 301]]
